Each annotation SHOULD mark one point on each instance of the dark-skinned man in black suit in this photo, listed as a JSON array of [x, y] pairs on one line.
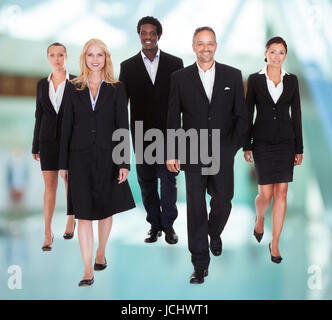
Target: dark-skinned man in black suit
[[209, 96], [147, 80]]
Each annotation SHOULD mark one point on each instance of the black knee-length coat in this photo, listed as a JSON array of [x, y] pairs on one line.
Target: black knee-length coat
[[86, 151]]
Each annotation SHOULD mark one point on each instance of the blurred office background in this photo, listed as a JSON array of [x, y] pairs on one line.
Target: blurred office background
[[158, 271]]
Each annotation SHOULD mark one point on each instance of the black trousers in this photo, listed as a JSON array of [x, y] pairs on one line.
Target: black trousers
[[199, 224], [161, 210]]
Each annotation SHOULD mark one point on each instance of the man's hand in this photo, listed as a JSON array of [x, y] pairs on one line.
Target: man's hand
[[36, 156], [173, 165]]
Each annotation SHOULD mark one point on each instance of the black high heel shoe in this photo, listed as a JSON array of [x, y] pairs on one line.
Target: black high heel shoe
[[257, 235], [273, 258], [48, 247], [70, 235], [86, 283], [100, 266]]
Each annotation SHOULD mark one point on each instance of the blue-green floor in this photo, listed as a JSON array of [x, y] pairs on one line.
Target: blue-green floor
[[137, 270]]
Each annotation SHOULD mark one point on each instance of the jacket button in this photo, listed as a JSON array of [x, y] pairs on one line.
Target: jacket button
[[274, 118], [93, 131]]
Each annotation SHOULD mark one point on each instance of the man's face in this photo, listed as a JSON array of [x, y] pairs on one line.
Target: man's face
[[149, 37], [205, 46]]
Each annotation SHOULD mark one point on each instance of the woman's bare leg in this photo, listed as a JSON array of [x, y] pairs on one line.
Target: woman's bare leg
[[262, 203], [85, 239], [278, 215], [104, 230], [51, 185]]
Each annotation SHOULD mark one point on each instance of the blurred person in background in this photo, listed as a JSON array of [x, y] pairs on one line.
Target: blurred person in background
[[96, 106], [47, 133], [275, 141], [17, 176], [146, 76]]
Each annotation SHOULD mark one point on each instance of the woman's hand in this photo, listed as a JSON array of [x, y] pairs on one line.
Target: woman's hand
[[36, 156], [298, 159], [248, 156], [123, 175], [64, 174]]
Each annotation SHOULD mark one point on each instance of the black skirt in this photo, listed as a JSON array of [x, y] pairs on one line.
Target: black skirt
[[274, 161], [49, 155], [93, 189]]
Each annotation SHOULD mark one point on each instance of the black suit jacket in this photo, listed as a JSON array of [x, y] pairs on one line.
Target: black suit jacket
[[48, 123], [148, 101], [82, 127], [226, 112], [273, 121]]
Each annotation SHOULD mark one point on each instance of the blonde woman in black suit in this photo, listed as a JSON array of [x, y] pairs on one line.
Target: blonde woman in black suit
[[275, 141], [96, 106], [47, 133]]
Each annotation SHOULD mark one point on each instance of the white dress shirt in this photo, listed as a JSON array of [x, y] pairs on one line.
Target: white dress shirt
[[275, 91], [151, 66], [207, 78], [56, 96]]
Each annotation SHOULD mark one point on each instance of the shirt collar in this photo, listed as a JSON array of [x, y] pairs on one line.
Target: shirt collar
[[87, 81], [209, 70], [49, 77], [145, 57], [264, 71]]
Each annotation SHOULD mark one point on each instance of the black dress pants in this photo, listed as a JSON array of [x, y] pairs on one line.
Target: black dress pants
[[199, 224], [161, 210]]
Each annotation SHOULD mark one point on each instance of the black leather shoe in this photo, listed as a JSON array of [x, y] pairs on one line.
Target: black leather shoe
[[49, 246], [153, 235], [170, 236], [100, 266], [216, 246], [257, 235], [197, 276], [85, 283], [273, 258], [70, 235]]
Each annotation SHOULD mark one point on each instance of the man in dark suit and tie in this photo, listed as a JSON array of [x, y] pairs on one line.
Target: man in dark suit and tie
[[147, 80], [210, 97]]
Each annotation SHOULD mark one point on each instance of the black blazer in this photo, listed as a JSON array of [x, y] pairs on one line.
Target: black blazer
[[82, 127], [148, 101], [273, 121], [48, 123], [226, 112]]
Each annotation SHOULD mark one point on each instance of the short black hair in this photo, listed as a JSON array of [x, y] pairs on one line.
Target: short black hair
[[206, 28], [150, 20], [58, 44]]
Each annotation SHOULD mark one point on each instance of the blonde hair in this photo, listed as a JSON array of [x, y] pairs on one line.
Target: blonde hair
[[107, 71]]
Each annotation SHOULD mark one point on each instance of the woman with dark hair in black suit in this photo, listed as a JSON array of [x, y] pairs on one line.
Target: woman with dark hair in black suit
[[275, 142], [96, 106], [47, 133]]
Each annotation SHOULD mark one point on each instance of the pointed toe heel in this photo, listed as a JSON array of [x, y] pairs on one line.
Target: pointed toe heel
[[274, 259]]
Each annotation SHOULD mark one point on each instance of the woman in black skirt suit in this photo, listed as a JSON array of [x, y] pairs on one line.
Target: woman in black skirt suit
[[275, 139], [96, 105], [47, 134]]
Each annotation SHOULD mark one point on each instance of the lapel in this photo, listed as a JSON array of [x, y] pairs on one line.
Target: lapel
[[46, 96], [141, 69], [64, 92], [197, 81], [263, 85], [286, 87], [102, 97], [218, 81], [162, 68]]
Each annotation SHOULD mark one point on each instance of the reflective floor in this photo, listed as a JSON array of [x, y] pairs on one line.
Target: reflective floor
[[137, 270]]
